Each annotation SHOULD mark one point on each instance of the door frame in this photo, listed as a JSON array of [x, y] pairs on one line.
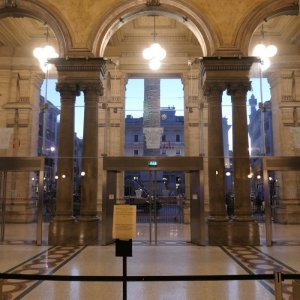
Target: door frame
[[189, 164]]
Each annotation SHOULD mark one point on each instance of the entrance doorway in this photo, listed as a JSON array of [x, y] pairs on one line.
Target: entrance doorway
[[157, 206], [162, 207]]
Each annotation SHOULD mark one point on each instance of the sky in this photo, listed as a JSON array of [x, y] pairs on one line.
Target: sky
[[171, 95]]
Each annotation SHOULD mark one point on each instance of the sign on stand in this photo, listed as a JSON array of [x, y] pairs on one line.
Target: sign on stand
[[124, 222], [124, 231]]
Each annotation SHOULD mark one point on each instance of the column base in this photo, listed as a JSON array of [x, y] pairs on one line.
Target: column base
[[233, 233], [288, 213], [73, 233], [22, 216]]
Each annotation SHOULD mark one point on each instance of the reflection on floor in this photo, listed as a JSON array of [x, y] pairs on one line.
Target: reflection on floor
[[172, 255]]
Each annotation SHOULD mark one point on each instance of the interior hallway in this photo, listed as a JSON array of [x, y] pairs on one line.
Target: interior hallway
[[173, 255]]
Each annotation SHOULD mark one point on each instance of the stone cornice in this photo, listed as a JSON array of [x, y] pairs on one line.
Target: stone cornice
[[80, 64], [227, 63]]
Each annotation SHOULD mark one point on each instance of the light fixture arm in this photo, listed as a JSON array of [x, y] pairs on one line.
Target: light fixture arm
[[262, 32], [154, 32]]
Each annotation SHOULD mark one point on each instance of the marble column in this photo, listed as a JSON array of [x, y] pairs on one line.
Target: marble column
[[241, 163], [216, 168], [64, 191], [88, 206], [77, 74], [219, 73]]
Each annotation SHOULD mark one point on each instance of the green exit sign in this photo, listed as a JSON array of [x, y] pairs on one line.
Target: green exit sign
[[152, 163]]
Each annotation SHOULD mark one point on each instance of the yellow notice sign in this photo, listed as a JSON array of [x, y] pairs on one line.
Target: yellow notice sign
[[124, 222]]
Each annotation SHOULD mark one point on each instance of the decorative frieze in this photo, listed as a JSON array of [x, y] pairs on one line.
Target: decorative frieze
[[288, 116], [288, 86], [10, 3], [153, 3], [79, 64], [115, 99]]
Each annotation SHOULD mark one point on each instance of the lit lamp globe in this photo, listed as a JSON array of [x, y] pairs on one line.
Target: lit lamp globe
[[147, 53], [158, 51], [271, 50], [260, 50], [154, 64], [43, 55]]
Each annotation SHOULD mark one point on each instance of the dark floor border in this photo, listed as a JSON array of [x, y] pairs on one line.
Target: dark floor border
[[264, 284]]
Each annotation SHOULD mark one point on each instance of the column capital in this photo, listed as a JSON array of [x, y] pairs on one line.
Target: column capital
[[67, 89], [238, 88], [214, 89], [94, 87]]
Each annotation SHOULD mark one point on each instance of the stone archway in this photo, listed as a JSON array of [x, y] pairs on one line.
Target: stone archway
[[123, 13], [260, 14], [42, 13]]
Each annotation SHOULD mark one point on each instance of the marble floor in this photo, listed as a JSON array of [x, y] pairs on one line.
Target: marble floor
[[172, 255]]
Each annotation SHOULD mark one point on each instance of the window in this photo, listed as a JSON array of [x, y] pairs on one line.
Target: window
[[163, 138], [135, 152], [163, 151], [177, 137], [177, 151], [136, 138]]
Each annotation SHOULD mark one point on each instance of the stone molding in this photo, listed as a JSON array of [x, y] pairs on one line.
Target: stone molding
[[79, 64], [227, 63]]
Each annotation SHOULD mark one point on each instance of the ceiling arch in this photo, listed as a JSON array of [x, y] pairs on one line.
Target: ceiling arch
[[263, 12], [43, 14], [127, 12]]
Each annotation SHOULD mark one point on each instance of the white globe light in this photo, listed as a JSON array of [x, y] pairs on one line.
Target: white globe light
[[38, 52], [147, 54], [158, 51], [154, 64], [162, 54], [259, 50], [43, 55], [50, 52], [271, 50], [155, 48]]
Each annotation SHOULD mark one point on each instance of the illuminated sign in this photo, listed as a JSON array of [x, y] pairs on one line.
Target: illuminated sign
[[152, 163]]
